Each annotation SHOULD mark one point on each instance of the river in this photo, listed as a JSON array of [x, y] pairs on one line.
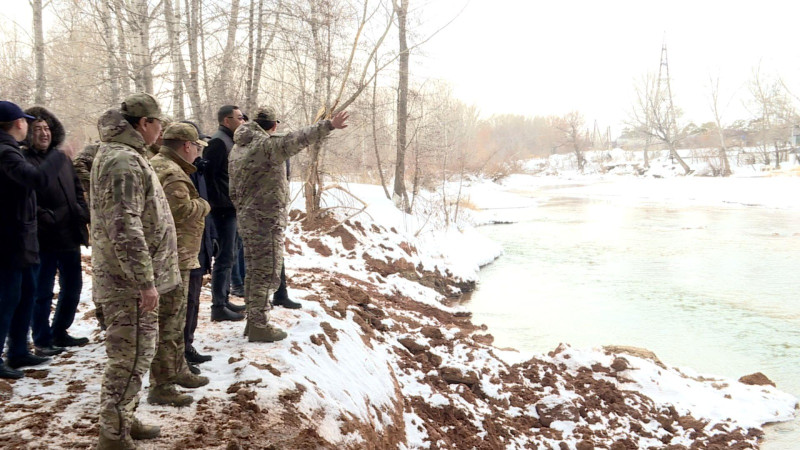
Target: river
[[712, 288]]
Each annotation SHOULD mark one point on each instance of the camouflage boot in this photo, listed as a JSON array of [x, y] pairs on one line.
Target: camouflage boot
[[106, 443], [190, 380], [268, 333], [166, 394], [141, 431]]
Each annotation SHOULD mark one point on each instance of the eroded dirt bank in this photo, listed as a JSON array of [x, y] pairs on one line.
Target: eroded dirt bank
[[375, 360]]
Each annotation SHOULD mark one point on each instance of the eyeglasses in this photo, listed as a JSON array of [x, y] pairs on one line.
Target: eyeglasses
[[237, 118]]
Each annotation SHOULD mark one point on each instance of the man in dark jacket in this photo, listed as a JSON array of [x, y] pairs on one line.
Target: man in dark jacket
[[20, 251], [62, 216], [223, 212], [196, 275]]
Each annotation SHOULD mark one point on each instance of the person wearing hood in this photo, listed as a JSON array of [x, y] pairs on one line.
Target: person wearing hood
[[19, 258], [260, 192], [134, 260], [62, 217]]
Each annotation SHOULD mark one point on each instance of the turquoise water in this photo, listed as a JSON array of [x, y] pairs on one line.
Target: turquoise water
[[710, 288]]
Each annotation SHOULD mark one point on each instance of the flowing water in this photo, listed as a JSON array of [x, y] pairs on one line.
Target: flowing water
[[710, 288]]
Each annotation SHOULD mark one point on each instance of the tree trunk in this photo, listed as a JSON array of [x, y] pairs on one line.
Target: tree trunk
[[223, 81], [400, 197], [111, 51], [375, 132], [172, 20], [38, 51], [124, 61], [193, 80], [674, 154], [248, 83]]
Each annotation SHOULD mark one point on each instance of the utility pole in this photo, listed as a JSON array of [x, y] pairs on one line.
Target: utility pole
[[663, 103]]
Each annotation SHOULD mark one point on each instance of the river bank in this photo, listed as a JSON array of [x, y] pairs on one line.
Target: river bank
[[376, 359]]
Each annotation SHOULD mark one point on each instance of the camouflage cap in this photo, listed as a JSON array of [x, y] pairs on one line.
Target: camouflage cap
[[183, 132], [141, 104], [267, 113]]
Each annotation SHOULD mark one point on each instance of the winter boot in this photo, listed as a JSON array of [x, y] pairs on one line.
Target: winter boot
[[106, 443], [167, 395], [190, 380], [222, 313], [266, 334], [192, 356], [141, 431], [286, 302]]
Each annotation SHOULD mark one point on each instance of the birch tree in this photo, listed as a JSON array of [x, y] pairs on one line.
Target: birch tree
[[38, 51]]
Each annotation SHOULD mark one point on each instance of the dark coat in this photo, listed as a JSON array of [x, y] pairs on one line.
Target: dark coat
[[210, 233], [18, 179], [216, 173], [62, 211]]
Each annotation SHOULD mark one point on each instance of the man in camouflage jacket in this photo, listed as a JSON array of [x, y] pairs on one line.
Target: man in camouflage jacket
[[134, 259], [173, 166], [260, 192]]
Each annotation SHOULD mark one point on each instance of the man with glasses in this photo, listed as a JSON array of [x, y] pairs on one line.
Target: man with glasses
[[223, 213], [173, 165], [134, 261]]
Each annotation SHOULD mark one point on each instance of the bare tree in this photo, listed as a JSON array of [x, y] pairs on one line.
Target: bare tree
[[193, 30], [725, 169], [570, 126], [654, 115], [399, 196], [38, 51], [774, 115], [223, 82], [172, 21]]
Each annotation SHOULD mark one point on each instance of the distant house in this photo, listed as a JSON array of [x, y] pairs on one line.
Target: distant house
[[795, 139]]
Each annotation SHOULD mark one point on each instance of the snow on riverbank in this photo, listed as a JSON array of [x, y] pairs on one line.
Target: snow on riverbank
[[380, 358]]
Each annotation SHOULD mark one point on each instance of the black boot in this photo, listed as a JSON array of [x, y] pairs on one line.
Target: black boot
[[9, 373], [48, 350], [26, 360], [286, 302], [234, 307], [193, 357], [222, 313], [65, 340], [238, 291]]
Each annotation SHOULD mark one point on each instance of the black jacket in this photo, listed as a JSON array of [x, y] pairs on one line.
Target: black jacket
[[19, 246], [209, 233], [62, 213], [216, 173]]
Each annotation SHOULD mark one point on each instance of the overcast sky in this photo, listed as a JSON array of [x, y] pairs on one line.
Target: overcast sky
[[549, 57], [535, 57]]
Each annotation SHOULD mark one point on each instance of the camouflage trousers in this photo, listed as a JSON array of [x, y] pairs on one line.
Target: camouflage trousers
[[170, 359], [130, 346], [263, 257]]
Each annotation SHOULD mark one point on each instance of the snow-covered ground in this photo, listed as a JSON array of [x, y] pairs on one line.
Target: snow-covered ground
[[380, 358]]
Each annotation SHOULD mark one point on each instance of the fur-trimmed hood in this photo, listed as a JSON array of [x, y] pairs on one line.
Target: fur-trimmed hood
[[57, 132]]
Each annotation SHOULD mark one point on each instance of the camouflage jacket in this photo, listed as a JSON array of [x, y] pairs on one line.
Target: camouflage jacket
[[134, 245], [258, 185], [188, 209], [83, 166]]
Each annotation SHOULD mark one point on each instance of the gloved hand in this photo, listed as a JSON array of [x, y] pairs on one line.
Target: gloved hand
[[214, 248]]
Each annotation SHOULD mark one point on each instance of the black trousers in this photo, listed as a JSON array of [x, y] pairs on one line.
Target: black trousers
[[192, 306]]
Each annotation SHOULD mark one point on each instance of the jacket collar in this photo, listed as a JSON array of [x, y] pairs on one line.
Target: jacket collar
[[114, 128], [7, 139], [172, 155]]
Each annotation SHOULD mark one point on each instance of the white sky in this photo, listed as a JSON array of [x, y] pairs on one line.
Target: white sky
[[549, 57], [534, 57]]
